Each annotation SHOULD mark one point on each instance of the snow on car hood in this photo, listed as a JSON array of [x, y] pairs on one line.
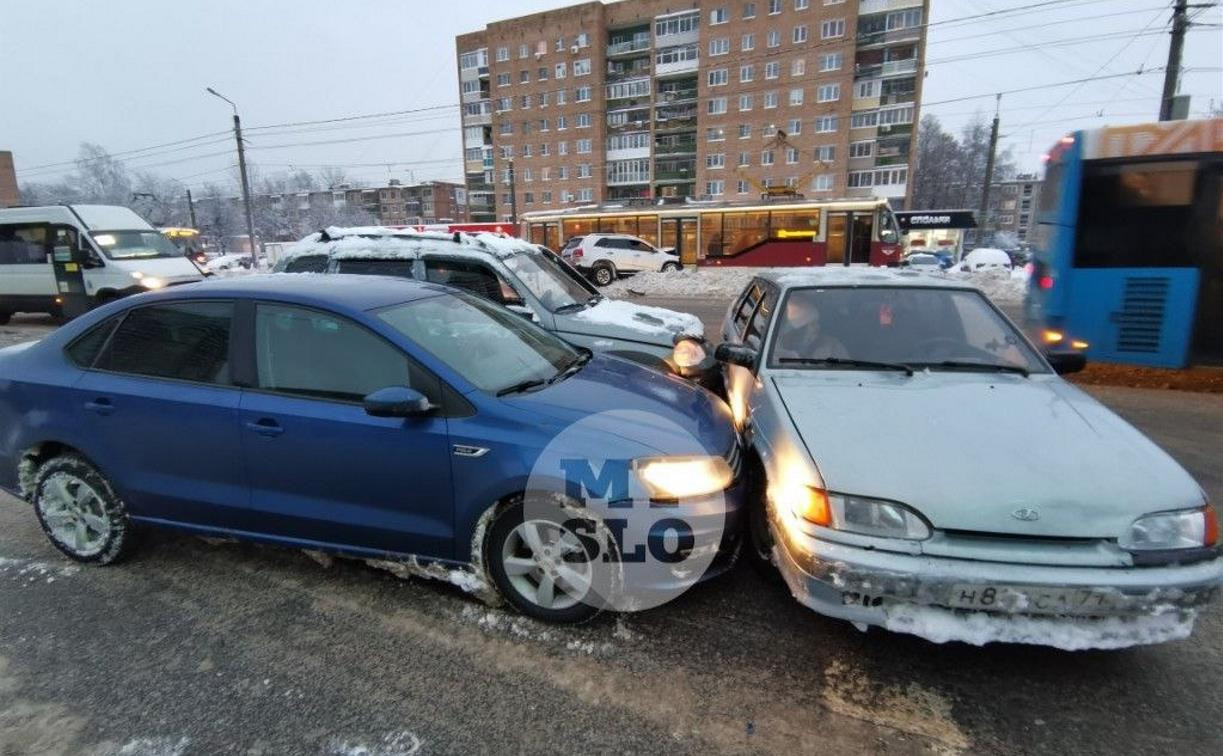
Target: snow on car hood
[[969, 450], [634, 322]]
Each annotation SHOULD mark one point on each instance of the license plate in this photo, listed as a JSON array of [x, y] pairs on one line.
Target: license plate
[[1034, 600]]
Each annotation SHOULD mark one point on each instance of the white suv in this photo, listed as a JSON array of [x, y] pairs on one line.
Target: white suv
[[605, 257]]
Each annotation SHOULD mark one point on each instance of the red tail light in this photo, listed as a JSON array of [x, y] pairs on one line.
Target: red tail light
[[577, 253], [1046, 282]]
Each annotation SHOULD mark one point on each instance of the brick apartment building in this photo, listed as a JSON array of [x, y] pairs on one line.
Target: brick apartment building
[[650, 99], [9, 195]]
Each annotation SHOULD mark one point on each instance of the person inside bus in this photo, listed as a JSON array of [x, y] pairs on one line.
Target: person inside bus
[[802, 334]]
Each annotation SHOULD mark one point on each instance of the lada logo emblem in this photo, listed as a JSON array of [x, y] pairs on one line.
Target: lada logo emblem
[[1025, 514]]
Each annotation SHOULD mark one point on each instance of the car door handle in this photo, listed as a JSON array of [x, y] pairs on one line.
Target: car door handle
[[101, 405], [265, 427]]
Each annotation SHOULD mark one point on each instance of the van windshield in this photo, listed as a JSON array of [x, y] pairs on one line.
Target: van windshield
[[134, 245]]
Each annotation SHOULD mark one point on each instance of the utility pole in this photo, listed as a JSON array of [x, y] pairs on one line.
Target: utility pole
[[191, 208], [513, 194], [1172, 74], [246, 187], [989, 170]]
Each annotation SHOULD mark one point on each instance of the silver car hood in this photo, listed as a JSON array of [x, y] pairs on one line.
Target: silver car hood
[[616, 318], [970, 450]]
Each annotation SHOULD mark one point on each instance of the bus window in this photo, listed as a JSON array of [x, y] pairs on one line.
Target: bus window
[[647, 228], [711, 234], [577, 227], [618, 224], [1136, 215], [795, 226], [744, 230]]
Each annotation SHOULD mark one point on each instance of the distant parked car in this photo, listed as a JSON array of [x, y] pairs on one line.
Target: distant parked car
[[984, 260], [228, 263], [921, 261], [605, 257], [391, 420], [926, 469], [517, 275]]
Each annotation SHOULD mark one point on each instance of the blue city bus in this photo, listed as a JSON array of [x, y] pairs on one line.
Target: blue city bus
[[1128, 244]]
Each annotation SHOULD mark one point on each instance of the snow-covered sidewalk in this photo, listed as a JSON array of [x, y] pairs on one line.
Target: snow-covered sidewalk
[[708, 283]]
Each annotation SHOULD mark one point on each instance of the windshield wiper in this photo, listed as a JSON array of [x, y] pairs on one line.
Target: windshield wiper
[[572, 367], [522, 386], [992, 367], [571, 307], [900, 366]]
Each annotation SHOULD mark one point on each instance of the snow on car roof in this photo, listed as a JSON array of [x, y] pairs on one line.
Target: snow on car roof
[[859, 276], [380, 242]]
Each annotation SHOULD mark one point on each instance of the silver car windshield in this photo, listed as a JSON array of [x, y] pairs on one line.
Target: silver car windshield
[[934, 328], [555, 286]]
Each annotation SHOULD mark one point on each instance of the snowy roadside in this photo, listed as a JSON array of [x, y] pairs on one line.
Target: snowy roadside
[[1004, 288]]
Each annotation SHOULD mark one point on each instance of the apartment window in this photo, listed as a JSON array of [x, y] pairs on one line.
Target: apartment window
[[560, 96], [860, 179], [745, 102], [503, 54], [773, 39], [676, 55], [471, 87], [772, 70], [715, 134], [635, 141], [544, 151], [748, 42], [741, 186], [507, 151], [770, 100], [865, 120], [832, 61], [745, 131], [716, 106], [795, 126], [583, 146], [562, 172], [526, 150], [796, 96], [905, 19], [562, 123], [523, 51], [583, 170], [544, 99], [506, 128], [798, 67], [893, 116], [774, 7], [559, 71], [526, 127], [747, 73], [719, 77], [833, 2], [635, 171], [745, 159], [547, 198], [801, 4], [718, 16], [542, 74], [503, 80], [527, 175], [766, 157], [586, 195], [560, 44], [716, 160], [504, 104], [524, 77], [715, 188], [822, 182], [583, 40], [581, 94], [524, 102], [528, 198], [791, 156], [581, 67], [833, 28], [473, 59], [583, 120], [826, 124], [800, 34], [829, 93], [719, 46], [677, 24], [861, 149], [562, 148], [866, 89], [749, 10], [826, 153]]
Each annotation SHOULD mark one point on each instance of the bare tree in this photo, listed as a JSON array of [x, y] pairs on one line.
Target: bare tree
[[950, 171], [218, 217], [332, 177]]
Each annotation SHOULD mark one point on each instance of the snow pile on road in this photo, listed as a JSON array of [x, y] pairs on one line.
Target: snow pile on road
[[1003, 287], [1069, 634], [689, 282], [654, 320]]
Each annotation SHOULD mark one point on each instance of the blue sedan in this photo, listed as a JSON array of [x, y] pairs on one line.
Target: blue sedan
[[378, 418]]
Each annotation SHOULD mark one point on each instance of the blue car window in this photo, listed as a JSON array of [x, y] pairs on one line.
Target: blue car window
[[85, 349], [325, 356], [186, 341]]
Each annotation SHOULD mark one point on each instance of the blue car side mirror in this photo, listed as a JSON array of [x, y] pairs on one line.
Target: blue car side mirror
[[397, 401]]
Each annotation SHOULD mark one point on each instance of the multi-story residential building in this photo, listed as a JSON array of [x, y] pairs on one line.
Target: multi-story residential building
[[9, 195], [1013, 205], [655, 99]]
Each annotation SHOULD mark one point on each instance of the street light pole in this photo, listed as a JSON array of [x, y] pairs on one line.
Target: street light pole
[[246, 187]]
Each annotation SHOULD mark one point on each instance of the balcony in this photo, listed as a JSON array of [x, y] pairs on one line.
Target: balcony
[[678, 67], [628, 47], [675, 96], [664, 124], [867, 7], [640, 178], [896, 36], [617, 72], [898, 67], [675, 147]]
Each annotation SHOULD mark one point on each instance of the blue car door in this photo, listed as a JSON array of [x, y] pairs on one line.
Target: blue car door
[[320, 468], [159, 414]]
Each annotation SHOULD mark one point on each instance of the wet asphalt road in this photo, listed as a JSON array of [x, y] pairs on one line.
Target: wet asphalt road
[[201, 648]]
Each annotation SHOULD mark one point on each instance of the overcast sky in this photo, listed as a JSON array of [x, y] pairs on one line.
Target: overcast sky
[[130, 74]]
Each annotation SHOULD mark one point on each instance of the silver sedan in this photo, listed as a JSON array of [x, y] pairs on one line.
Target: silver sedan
[[927, 470]]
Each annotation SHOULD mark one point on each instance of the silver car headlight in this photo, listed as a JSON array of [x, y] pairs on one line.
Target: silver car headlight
[[671, 479], [688, 353], [1162, 531], [851, 514]]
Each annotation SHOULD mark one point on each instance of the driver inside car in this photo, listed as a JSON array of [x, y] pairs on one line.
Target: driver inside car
[[801, 333]]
